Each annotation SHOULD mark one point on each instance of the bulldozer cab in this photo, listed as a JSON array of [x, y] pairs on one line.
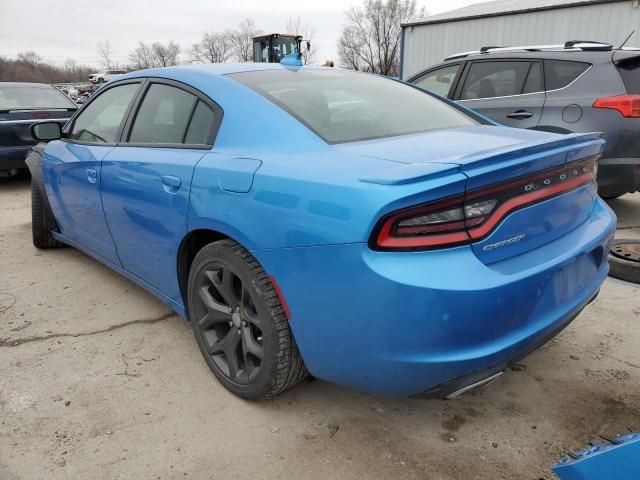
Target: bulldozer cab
[[273, 47]]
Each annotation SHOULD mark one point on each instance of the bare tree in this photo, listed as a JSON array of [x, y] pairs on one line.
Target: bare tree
[[308, 31], [242, 40], [349, 50], [155, 55], [166, 55], [105, 53], [142, 57], [213, 48], [30, 59], [30, 67], [370, 40]]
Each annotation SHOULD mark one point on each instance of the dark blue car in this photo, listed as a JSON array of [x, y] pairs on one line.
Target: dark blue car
[[331, 222], [21, 106]]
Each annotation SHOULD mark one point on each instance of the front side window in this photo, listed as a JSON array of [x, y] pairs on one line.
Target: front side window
[[163, 116], [560, 73], [438, 81], [100, 121], [341, 106], [495, 79]]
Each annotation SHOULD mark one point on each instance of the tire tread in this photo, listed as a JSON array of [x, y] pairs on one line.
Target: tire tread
[[290, 367]]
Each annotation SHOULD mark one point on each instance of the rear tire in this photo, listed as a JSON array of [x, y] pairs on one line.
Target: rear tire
[[240, 324], [42, 222]]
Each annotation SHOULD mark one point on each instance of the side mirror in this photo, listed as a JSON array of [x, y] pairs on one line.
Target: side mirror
[[46, 131]]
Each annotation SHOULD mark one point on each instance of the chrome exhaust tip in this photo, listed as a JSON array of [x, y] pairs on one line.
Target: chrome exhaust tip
[[473, 386]]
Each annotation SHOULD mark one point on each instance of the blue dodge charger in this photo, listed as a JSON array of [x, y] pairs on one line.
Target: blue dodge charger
[[327, 222]]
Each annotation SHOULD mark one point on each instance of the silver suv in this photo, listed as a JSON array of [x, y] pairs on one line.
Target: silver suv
[[577, 87]]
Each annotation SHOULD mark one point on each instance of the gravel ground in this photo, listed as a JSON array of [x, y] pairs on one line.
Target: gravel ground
[[100, 380]]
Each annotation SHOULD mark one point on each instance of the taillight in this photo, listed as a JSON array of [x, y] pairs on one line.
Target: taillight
[[474, 215], [627, 105]]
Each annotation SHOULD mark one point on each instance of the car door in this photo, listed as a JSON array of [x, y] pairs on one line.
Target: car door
[[510, 92], [72, 168], [441, 81], [146, 179]]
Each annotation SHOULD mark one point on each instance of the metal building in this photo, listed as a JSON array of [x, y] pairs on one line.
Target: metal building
[[515, 22]]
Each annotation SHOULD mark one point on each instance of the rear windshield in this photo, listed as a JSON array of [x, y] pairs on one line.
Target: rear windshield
[[344, 106], [32, 97], [630, 73]]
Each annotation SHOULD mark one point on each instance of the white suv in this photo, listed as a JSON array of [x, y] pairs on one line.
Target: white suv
[[105, 75]]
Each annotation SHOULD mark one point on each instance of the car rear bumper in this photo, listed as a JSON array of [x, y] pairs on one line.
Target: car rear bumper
[[13, 157], [404, 323], [617, 176], [470, 381]]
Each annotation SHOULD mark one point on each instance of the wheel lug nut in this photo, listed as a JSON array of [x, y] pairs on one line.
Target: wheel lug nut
[[231, 324]]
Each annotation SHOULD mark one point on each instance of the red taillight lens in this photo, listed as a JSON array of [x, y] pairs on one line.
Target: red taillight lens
[[470, 217], [627, 105]]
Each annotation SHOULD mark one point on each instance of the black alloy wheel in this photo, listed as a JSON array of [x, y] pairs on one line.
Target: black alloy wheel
[[240, 324], [228, 322]]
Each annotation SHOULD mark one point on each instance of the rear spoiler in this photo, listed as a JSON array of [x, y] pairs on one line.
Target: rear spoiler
[[564, 149], [623, 56]]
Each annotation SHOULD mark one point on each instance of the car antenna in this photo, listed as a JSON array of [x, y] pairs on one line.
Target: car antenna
[[627, 39]]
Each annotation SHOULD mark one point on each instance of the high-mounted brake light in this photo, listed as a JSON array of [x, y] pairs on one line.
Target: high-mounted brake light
[[627, 105], [470, 217]]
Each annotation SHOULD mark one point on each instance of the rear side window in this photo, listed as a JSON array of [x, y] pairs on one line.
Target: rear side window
[[201, 126], [163, 116], [438, 81], [100, 121], [630, 73], [560, 73], [495, 79]]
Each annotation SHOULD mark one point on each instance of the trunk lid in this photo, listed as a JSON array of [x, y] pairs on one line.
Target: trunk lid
[[492, 158], [15, 126]]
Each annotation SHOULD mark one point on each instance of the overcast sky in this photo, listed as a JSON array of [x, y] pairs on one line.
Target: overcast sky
[[58, 30]]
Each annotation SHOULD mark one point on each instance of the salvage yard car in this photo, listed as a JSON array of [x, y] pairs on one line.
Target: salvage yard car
[[342, 224], [22, 105], [580, 86]]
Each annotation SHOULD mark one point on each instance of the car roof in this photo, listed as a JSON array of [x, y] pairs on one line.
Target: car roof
[[216, 69], [576, 55]]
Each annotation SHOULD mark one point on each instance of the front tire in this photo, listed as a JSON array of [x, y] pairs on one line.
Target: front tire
[[42, 222], [239, 323]]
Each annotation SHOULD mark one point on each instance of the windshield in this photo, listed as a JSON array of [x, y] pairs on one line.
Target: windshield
[[32, 97], [343, 106]]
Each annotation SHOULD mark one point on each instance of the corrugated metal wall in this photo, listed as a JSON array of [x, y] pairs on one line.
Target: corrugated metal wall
[[425, 45]]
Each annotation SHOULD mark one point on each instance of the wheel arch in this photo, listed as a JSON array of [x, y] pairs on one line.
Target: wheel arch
[[189, 247], [34, 162]]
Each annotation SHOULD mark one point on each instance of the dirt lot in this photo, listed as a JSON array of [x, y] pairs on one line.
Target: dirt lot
[[99, 380]]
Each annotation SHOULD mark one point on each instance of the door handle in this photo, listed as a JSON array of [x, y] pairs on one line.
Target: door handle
[[520, 115], [92, 175], [170, 183]]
